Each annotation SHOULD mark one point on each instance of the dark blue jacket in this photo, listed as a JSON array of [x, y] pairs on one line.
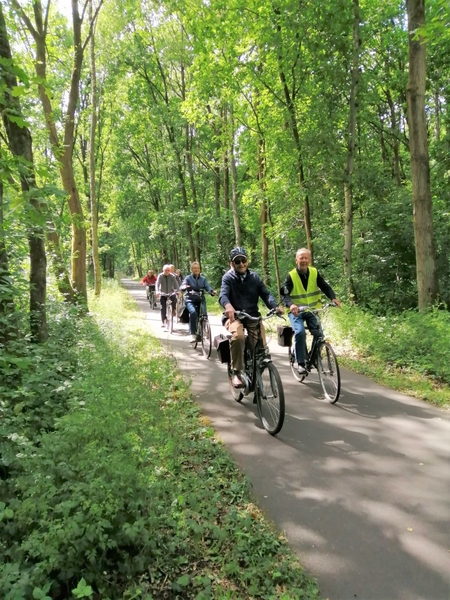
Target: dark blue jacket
[[195, 285], [243, 294]]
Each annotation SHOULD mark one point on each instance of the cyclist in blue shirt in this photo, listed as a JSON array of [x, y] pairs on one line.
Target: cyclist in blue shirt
[[193, 284]]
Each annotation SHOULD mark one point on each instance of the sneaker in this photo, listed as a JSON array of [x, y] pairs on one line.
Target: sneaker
[[192, 338], [236, 382], [301, 369]]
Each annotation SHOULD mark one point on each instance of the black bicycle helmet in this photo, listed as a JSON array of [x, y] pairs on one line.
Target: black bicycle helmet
[[238, 251]]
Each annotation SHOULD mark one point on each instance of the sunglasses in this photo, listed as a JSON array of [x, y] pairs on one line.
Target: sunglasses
[[240, 261]]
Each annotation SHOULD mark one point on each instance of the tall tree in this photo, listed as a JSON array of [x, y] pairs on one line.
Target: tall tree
[[92, 154], [427, 279], [20, 143], [62, 149], [351, 138]]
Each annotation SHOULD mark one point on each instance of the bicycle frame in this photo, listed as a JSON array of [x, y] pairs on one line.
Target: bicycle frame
[[253, 358]]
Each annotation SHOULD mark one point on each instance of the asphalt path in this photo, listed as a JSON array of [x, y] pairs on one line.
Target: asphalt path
[[361, 489]]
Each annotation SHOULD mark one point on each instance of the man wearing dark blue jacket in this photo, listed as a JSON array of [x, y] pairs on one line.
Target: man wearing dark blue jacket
[[241, 289], [194, 284]]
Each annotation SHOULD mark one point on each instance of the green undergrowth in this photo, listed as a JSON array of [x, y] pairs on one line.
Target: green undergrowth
[[409, 352], [113, 485]]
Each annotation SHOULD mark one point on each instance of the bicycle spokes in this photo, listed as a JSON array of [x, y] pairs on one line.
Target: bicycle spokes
[[329, 374], [270, 398]]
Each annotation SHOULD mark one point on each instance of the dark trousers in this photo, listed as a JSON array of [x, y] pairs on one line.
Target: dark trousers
[[193, 309]]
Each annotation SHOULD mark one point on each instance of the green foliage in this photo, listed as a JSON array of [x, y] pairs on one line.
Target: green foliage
[[126, 493], [411, 342]]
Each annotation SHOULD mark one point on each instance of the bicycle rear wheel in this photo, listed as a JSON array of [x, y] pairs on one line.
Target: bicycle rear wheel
[[206, 338], [329, 375], [294, 369], [270, 398]]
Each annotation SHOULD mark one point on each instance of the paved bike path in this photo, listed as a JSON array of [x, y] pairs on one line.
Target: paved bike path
[[361, 488]]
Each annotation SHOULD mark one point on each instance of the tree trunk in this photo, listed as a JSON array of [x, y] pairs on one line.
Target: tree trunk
[[263, 211], [234, 189], [57, 264], [426, 271], [293, 125], [351, 142], [92, 178], [63, 151], [20, 143]]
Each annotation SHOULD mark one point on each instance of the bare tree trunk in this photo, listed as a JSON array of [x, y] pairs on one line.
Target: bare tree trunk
[[21, 146], [426, 271], [351, 142], [92, 178]]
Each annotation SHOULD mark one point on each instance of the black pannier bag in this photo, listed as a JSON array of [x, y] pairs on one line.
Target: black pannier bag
[[284, 335], [222, 345], [184, 316]]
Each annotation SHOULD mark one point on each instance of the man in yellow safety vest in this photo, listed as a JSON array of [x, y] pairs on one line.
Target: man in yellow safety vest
[[303, 287]]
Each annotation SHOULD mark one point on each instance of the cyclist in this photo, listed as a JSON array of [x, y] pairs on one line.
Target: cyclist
[[166, 284], [241, 290], [193, 284], [149, 281], [303, 287]]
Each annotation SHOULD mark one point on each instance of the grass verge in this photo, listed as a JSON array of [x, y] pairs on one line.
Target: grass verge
[[409, 352], [127, 493]]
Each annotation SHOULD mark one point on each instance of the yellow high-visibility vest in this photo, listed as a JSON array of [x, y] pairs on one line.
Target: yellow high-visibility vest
[[312, 295]]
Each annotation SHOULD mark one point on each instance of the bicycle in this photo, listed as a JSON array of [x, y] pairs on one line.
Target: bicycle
[[261, 377], [169, 311], [203, 332], [322, 357], [151, 296], [179, 308]]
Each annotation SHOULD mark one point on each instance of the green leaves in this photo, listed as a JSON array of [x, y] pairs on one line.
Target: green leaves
[[82, 590]]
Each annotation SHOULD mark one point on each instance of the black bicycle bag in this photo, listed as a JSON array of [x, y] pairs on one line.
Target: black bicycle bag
[[222, 345], [284, 335]]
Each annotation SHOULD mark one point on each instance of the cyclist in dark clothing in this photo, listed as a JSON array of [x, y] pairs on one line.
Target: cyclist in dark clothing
[[241, 289]]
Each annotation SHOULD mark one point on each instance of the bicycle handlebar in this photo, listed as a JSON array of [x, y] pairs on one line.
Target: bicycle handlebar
[[316, 310], [201, 292], [242, 314]]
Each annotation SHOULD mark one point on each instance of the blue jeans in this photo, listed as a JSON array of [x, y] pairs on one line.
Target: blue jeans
[[300, 333], [193, 308]]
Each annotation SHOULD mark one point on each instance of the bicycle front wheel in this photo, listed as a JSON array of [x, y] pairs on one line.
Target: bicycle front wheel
[[169, 317], [329, 376], [270, 398], [206, 338]]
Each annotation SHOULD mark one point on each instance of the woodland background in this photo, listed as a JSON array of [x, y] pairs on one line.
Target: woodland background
[[139, 133], [135, 133]]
